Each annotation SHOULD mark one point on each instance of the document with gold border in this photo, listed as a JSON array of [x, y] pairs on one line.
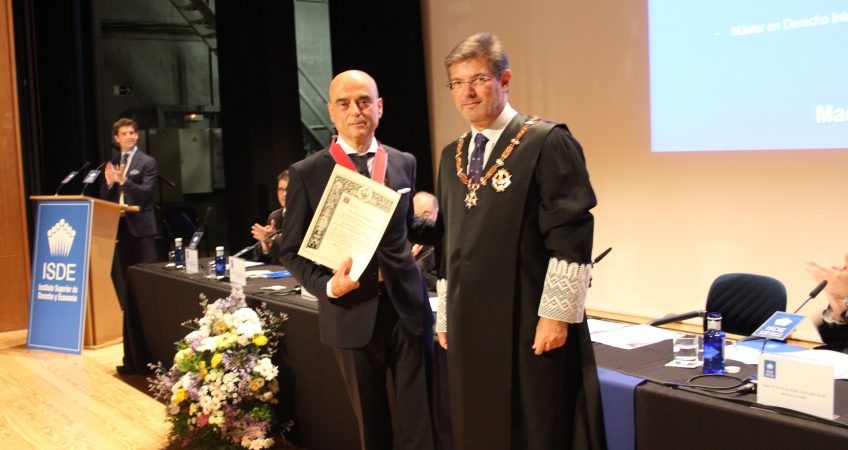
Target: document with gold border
[[351, 218]]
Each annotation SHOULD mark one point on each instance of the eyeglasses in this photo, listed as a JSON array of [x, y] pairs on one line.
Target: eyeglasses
[[362, 103], [474, 82]]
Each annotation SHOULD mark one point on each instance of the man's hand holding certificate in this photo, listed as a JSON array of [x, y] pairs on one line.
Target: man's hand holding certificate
[[350, 221]]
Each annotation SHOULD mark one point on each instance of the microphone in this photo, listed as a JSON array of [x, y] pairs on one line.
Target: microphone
[[71, 176], [202, 223], [816, 291], [601, 256], [251, 247], [91, 176], [678, 317]]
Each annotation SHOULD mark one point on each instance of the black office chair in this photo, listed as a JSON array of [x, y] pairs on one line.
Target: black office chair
[[744, 300]]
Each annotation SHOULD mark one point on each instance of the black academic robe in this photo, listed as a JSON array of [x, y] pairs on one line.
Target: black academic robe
[[496, 256]]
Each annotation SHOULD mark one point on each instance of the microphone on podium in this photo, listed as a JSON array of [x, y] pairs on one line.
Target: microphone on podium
[[90, 177], [71, 176]]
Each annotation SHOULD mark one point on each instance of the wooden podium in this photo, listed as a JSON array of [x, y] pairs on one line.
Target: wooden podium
[[103, 315]]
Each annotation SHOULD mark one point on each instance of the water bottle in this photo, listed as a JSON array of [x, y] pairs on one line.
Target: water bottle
[[714, 345], [179, 253], [220, 262]]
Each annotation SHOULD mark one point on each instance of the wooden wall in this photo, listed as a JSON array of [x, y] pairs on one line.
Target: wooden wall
[[14, 253]]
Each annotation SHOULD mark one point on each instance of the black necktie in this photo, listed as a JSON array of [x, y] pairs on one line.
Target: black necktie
[[124, 158], [476, 160], [361, 162]]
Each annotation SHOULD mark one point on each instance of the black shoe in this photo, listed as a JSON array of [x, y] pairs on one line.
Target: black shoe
[[124, 370]]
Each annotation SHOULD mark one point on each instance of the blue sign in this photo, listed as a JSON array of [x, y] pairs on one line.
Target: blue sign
[[195, 239], [770, 368], [59, 276], [779, 326]]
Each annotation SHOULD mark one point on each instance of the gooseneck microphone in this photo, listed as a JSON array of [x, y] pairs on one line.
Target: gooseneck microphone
[[70, 177], [251, 247], [816, 291], [91, 176], [202, 224]]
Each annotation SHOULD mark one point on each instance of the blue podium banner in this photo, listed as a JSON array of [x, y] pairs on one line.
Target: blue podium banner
[[59, 276]]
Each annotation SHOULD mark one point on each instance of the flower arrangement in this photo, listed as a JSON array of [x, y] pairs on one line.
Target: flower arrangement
[[222, 386]]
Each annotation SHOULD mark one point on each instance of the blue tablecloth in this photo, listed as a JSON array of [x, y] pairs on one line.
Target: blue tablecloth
[[617, 394]]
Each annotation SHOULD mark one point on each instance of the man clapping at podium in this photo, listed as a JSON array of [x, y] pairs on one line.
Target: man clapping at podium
[[129, 180]]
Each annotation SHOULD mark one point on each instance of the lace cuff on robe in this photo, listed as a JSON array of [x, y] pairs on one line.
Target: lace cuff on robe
[[564, 293], [442, 312]]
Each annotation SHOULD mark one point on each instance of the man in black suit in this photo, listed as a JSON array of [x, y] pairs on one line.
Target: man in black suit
[[129, 179], [268, 250], [382, 321]]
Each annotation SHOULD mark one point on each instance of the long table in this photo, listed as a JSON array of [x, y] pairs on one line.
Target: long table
[[313, 395], [670, 415]]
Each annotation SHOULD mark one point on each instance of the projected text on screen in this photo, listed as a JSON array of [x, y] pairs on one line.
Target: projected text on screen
[[748, 75]]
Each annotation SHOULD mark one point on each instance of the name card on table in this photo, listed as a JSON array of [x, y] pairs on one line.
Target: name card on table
[[238, 274], [795, 383], [191, 262]]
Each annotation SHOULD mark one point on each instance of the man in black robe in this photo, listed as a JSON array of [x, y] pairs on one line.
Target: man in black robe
[[518, 243]]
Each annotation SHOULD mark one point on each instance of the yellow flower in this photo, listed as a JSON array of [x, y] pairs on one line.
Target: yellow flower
[[216, 359], [257, 384], [179, 396], [220, 327], [260, 340], [201, 370]]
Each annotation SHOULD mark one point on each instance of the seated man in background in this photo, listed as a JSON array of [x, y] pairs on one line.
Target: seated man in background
[[426, 205], [268, 250], [834, 321]]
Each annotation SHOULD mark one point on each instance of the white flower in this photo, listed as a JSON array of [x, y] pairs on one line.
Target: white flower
[[217, 418], [256, 444], [266, 369], [207, 344], [197, 334]]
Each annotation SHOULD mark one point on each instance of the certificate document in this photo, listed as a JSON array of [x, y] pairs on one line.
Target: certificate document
[[351, 218]]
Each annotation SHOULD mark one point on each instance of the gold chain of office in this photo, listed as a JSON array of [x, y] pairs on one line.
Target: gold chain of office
[[502, 176]]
